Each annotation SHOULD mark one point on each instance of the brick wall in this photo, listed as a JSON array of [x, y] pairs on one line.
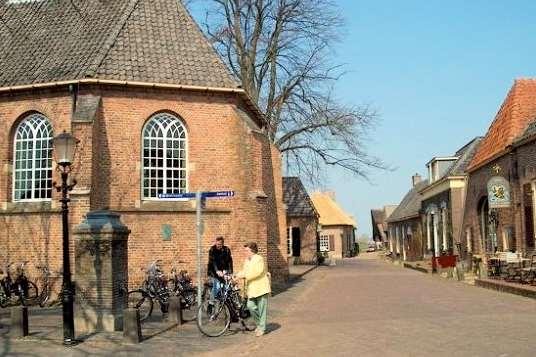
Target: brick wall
[[225, 153], [525, 156], [477, 192], [341, 235], [308, 233]]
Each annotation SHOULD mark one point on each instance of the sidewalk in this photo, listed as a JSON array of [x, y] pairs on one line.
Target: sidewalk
[[472, 279], [297, 271], [160, 336]]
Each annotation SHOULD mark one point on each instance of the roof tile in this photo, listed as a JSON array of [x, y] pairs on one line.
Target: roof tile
[[153, 41], [516, 112], [297, 199]]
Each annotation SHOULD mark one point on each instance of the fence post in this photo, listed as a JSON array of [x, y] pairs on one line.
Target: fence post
[[19, 321], [175, 310], [132, 325]]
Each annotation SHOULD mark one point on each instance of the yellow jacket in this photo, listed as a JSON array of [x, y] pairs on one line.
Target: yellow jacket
[[254, 271]]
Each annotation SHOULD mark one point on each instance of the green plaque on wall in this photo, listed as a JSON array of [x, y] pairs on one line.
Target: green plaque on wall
[[166, 232]]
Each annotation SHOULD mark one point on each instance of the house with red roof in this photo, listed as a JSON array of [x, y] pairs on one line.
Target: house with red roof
[[498, 214]]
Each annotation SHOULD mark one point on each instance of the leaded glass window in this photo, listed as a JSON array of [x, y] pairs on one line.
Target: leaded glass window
[[32, 174], [164, 156]]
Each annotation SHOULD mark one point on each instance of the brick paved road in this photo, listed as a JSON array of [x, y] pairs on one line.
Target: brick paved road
[[368, 308], [362, 307]]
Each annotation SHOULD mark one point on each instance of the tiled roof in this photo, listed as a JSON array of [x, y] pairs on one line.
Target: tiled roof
[[153, 41], [296, 198], [464, 155], [378, 215], [410, 204], [378, 220], [528, 133], [330, 212], [517, 110]]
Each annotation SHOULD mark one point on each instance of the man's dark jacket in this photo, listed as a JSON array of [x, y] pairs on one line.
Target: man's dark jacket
[[219, 259]]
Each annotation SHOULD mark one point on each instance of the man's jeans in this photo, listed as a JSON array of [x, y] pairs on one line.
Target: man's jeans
[[216, 287]]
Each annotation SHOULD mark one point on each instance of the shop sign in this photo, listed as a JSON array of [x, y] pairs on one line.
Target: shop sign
[[498, 192]]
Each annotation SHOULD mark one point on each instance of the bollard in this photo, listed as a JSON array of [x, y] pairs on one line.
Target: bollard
[[131, 325], [175, 310], [19, 321]]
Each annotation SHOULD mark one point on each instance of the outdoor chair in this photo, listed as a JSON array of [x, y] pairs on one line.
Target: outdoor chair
[[493, 266], [528, 274]]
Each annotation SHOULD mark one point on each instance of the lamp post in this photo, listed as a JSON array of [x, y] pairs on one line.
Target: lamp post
[[64, 147]]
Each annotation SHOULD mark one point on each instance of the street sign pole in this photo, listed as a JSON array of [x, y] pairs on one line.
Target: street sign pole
[[199, 226], [200, 198]]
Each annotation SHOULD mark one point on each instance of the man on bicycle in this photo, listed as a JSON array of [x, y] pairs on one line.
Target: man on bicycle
[[219, 261]]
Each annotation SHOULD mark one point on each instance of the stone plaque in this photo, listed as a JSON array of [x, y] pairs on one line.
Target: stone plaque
[[166, 232]]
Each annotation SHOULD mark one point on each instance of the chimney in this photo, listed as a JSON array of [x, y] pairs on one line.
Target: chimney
[[415, 179], [330, 194]]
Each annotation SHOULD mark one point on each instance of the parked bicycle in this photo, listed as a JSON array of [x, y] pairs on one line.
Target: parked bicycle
[[182, 286], [154, 288], [46, 291], [214, 316], [18, 290]]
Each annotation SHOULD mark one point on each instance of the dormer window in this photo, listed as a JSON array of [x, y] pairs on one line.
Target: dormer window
[[438, 167]]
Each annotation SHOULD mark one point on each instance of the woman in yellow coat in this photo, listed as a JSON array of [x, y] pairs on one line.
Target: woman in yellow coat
[[257, 286]]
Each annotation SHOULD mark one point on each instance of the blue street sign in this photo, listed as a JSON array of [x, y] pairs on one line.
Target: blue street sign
[[215, 194], [176, 195], [218, 194]]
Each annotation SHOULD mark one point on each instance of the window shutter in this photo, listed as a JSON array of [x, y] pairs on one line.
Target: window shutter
[[331, 243]]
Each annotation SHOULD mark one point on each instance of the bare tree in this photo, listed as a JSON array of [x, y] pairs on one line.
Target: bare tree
[[282, 52]]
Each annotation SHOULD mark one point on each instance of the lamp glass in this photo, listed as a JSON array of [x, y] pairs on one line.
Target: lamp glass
[[64, 148]]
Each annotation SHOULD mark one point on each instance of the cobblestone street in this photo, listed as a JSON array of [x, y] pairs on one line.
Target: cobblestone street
[[362, 307], [365, 307]]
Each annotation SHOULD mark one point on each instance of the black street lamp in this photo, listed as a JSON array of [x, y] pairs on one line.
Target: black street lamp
[[64, 147]]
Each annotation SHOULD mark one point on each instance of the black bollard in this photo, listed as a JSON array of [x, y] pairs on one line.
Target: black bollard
[[132, 325], [175, 310], [19, 321]]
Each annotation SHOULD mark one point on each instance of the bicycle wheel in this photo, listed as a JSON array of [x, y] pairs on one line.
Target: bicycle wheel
[[213, 319], [248, 324], [43, 298], [29, 293], [189, 304], [139, 299]]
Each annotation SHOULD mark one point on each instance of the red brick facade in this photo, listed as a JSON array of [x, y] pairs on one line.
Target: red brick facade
[[308, 228], [225, 152], [507, 218]]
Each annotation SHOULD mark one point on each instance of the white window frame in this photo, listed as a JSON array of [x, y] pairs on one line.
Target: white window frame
[[324, 243], [165, 128], [37, 123]]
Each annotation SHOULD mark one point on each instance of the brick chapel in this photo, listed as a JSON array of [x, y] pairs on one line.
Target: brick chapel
[[155, 110]]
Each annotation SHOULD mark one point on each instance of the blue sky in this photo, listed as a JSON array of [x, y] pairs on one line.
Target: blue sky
[[437, 72]]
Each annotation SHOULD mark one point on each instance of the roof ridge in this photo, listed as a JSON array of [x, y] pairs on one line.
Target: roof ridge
[[109, 42]]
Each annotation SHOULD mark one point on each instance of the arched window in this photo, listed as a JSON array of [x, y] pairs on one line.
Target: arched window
[[32, 147], [164, 156]]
